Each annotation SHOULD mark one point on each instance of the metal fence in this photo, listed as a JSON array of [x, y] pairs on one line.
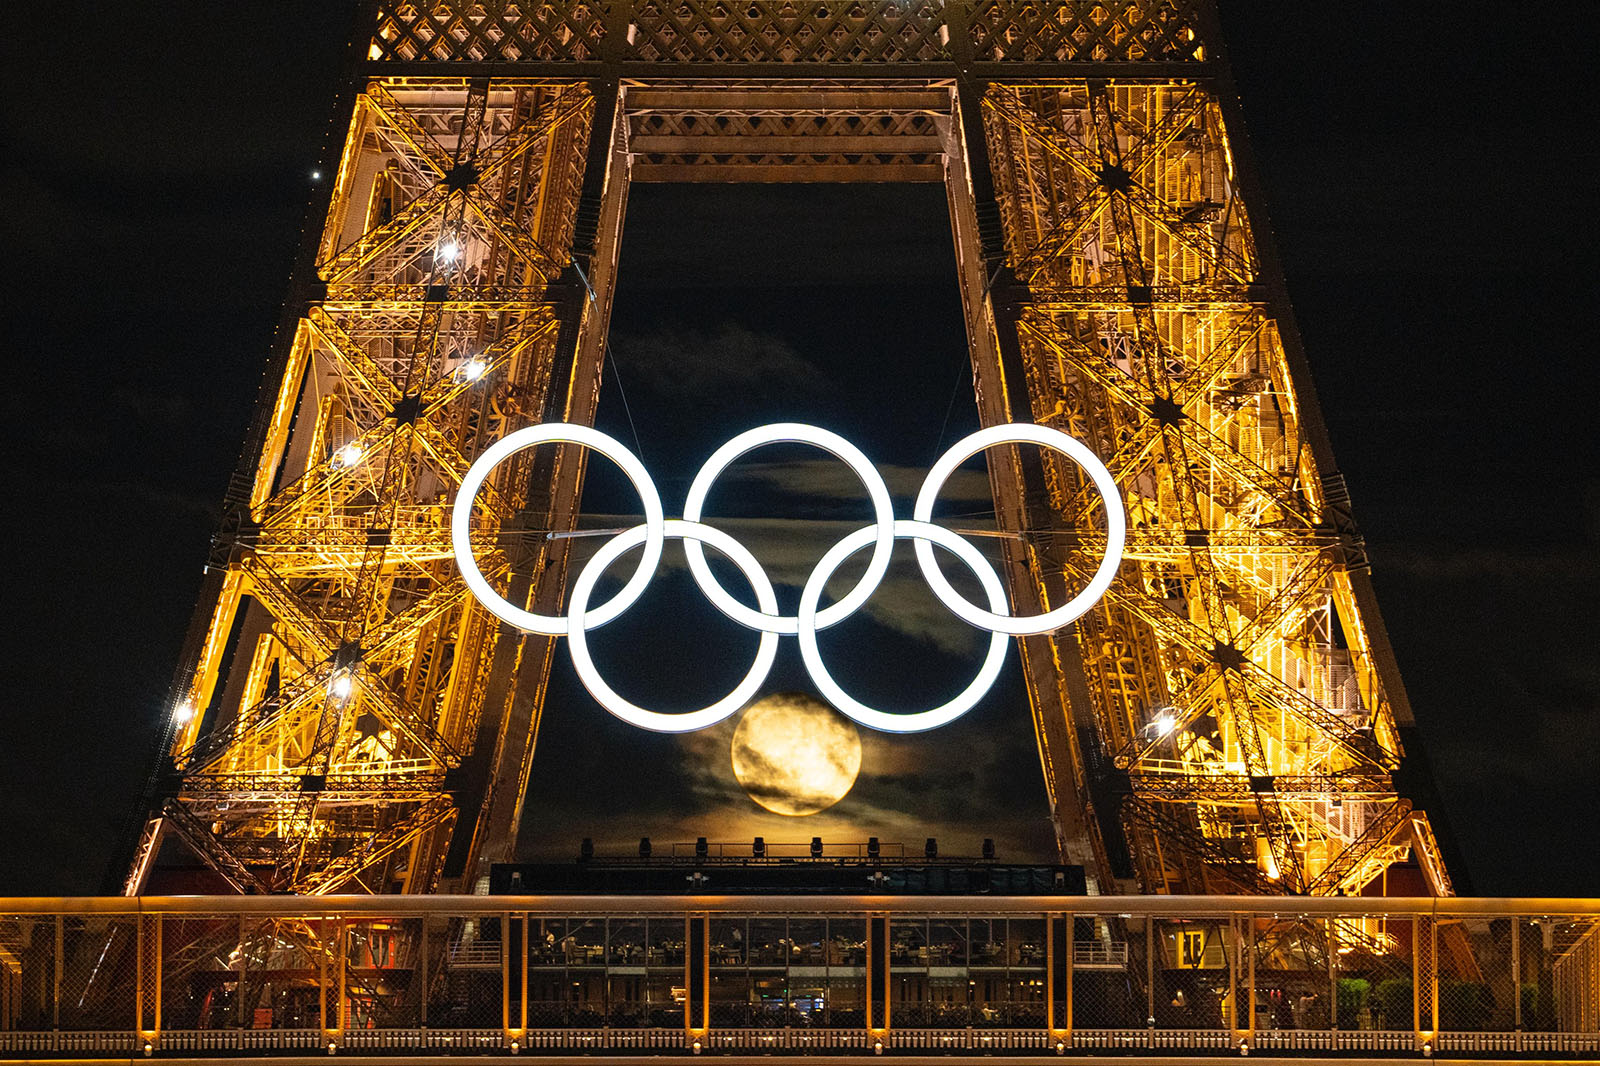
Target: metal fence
[[392, 976]]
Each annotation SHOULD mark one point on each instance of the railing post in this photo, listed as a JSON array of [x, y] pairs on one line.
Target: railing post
[[505, 977], [422, 972], [514, 972], [342, 960], [244, 962], [1333, 973], [1149, 972], [138, 978], [1063, 1023], [697, 978], [55, 994], [1516, 978], [147, 978], [322, 977], [1424, 979], [1433, 981], [1150, 977], [1058, 976], [1250, 976], [161, 971], [1238, 951], [333, 1022], [878, 987]]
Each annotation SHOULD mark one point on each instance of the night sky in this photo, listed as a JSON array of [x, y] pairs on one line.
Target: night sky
[[1430, 183]]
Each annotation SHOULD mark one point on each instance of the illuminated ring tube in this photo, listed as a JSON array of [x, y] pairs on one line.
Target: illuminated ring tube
[[922, 533], [1116, 527], [604, 694], [835, 445], [556, 432]]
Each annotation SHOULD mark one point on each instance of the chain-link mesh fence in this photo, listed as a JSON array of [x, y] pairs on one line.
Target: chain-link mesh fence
[[1191, 974], [1293, 973], [99, 972], [1110, 986], [1340, 977], [465, 986], [28, 1000], [1373, 979]]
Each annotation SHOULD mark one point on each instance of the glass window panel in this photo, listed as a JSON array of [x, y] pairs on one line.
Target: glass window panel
[[947, 942], [625, 942], [769, 1001], [629, 1001], [1026, 947], [908, 942], [665, 946], [987, 941], [730, 999], [806, 942], [847, 942], [949, 999], [585, 942], [544, 941], [846, 1006], [665, 997], [769, 942], [728, 937]]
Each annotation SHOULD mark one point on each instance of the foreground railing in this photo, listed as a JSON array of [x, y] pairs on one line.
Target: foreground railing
[[396, 975]]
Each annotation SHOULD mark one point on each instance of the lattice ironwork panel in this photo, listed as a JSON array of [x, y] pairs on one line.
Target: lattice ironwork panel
[[345, 668], [490, 31], [818, 31], [788, 31], [1230, 673], [1099, 31], [828, 131]]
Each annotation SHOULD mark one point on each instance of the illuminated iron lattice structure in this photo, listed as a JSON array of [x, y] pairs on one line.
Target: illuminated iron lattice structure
[[1229, 719]]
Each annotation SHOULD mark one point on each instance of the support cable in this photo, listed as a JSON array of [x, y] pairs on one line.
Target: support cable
[[615, 373]]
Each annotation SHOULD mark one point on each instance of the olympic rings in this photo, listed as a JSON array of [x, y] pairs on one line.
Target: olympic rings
[[461, 525], [766, 620], [1116, 527], [797, 433], [923, 533], [578, 642]]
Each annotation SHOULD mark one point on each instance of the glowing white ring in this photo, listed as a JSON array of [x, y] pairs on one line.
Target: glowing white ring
[[860, 465], [1116, 527], [578, 641], [923, 533], [882, 533], [556, 432]]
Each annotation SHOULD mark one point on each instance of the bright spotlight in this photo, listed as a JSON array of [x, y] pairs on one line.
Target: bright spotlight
[[449, 251], [183, 712], [347, 456], [341, 686], [473, 369], [1163, 724]]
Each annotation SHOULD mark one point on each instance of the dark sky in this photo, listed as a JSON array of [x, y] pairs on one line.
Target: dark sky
[[1430, 186]]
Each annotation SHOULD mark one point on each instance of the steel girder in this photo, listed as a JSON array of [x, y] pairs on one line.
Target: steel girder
[[1230, 712]]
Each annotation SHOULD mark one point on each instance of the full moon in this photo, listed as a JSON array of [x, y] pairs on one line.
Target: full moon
[[794, 754]]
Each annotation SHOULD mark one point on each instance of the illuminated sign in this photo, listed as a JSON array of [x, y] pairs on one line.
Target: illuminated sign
[[656, 529]]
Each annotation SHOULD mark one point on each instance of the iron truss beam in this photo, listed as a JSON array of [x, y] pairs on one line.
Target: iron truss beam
[[1233, 679], [347, 716], [344, 671]]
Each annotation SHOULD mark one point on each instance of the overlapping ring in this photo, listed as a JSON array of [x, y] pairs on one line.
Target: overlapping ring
[[811, 617]]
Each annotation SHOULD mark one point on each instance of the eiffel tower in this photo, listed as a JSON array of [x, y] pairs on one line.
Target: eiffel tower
[[346, 718]]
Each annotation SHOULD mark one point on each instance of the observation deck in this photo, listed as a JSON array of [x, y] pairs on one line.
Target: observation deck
[[852, 976]]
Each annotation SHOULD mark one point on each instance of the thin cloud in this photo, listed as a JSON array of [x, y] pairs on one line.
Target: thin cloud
[[789, 550], [833, 481], [729, 364]]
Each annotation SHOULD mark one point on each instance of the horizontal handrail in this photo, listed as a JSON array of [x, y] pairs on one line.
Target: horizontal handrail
[[1108, 906]]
